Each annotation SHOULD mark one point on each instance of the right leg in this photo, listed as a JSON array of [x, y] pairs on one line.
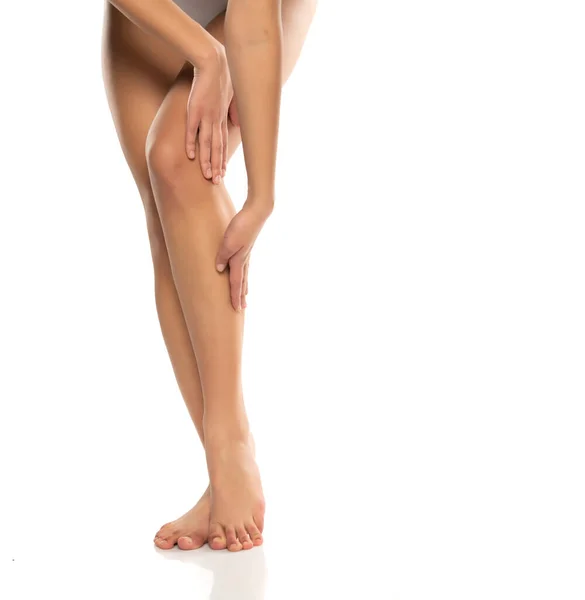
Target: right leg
[[138, 71]]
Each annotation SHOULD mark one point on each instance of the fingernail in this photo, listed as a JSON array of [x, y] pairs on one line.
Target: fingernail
[[217, 179], [191, 154], [220, 268], [208, 173]]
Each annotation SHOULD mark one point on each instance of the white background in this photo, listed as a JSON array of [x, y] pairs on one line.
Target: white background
[[414, 355]]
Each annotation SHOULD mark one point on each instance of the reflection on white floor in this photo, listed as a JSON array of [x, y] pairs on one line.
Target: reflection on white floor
[[242, 576]]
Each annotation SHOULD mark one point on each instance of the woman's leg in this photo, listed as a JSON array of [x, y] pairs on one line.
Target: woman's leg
[[138, 71], [194, 214]]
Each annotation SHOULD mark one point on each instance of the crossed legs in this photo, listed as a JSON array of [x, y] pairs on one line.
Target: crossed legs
[[186, 216]]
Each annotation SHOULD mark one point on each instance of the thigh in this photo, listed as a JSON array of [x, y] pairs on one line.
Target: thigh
[[138, 71], [297, 16]]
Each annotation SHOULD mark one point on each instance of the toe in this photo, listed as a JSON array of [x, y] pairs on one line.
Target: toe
[[165, 531], [164, 544], [233, 545], [216, 537], [244, 538], [165, 537], [255, 534], [190, 542]]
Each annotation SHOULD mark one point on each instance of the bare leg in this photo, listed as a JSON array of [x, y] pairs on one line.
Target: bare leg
[[194, 215], [138, 71]]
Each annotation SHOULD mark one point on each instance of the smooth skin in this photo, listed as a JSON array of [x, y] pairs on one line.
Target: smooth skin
[[207, 106], [149, 86]]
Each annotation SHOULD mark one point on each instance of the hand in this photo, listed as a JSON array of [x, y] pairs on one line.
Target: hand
[[207, 113], [235, 249]]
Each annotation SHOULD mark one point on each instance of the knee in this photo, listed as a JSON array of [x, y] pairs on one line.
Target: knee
[[166, 159]]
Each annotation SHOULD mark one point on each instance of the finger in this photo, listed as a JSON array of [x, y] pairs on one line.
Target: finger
[[225, 148], [205, 134], [224, 254], [236, 280], [191, 133], [243, 302], [216, 152]]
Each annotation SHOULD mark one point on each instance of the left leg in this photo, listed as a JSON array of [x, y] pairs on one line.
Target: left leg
[[194, 214]]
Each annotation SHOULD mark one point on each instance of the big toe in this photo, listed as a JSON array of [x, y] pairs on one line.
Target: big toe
[[217, 539]]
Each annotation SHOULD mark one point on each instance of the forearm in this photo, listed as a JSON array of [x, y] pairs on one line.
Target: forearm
[[165, 20], [253, 39]]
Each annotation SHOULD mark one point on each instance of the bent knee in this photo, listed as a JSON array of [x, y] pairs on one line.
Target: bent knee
[[166, 159]]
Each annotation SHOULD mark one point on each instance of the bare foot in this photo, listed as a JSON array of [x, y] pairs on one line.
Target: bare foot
[[237, 502], [189, 531]]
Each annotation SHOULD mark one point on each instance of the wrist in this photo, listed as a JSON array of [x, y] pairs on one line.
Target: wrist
[[263, 204], [212, 58]]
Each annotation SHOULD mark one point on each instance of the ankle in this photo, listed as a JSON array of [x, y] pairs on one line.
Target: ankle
[[223, 431]]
